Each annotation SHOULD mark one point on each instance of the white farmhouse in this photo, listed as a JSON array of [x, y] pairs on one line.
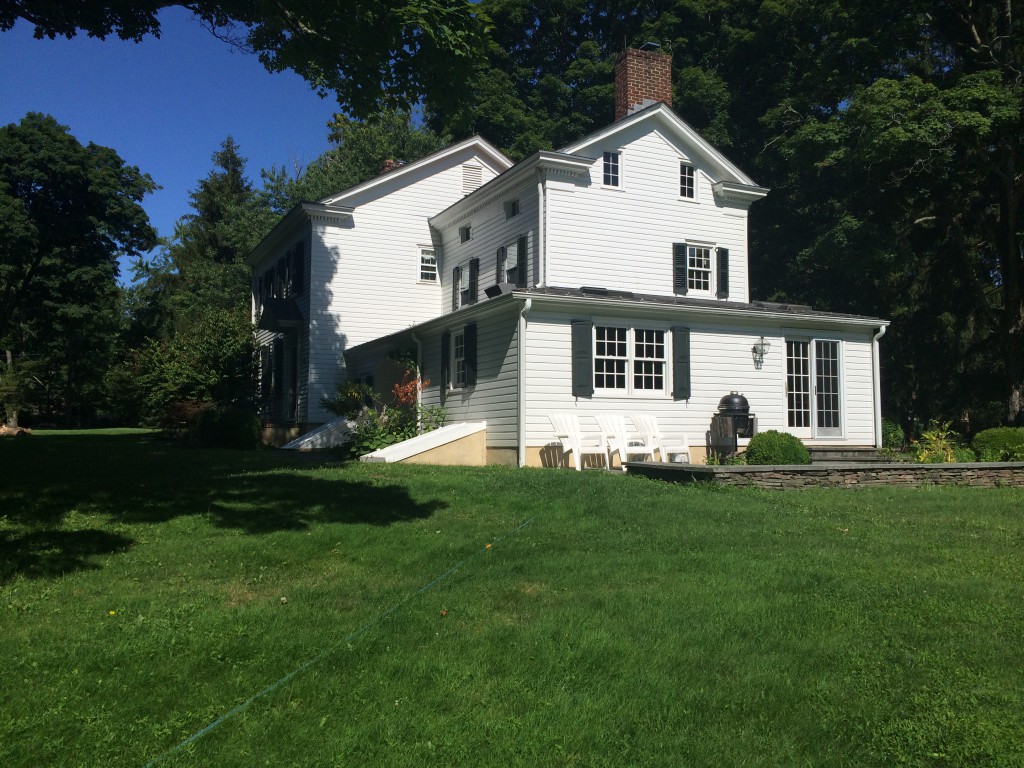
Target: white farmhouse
[[607, 277]]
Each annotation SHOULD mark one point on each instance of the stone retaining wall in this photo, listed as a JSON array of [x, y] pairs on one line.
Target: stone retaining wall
[[983, 475]]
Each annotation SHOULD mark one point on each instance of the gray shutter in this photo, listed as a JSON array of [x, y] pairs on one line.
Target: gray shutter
[[680, 363], [521, 262], [469, 339], [582, 358], [456, 281], [446, 363], [474, 279], [722, 257], [679, 281]]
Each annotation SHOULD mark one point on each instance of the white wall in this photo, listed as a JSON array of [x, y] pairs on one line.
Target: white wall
[[622, 237]]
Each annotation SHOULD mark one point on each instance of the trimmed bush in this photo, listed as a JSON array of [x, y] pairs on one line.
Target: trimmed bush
[[1000, 444], [229, 427], [773, 447]]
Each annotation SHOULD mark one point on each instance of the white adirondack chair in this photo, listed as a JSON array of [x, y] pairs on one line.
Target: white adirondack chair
[[574, 440], [618, 440], [647, 425]]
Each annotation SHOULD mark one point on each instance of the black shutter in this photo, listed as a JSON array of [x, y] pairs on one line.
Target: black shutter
[[474, 279], [679, 281], [680, 363], [521, 262], [299, 269], [278, 369], [723, 272], [469, 339], [499, 270], [446, 363], [582, 358], [456, 287]]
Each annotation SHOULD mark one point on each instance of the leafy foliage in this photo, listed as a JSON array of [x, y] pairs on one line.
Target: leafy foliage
[[368, 53], [937, 445], [229, 427], [893, 436], [1000, 444], [774, 447]]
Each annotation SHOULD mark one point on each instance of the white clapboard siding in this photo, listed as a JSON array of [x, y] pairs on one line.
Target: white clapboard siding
[[622, 237], [721, 362], [494, 398], [366, 273], [490, 230]]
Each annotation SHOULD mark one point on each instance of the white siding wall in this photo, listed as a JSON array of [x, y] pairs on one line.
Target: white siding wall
[[721, 362], [366, 274], [490, 230], [622, 237], [493, 399]]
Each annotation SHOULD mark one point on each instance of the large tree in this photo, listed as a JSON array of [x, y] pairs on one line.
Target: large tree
[[67, 212], [367, 52]]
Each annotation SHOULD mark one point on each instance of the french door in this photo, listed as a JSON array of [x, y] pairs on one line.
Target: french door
[[813, 381]]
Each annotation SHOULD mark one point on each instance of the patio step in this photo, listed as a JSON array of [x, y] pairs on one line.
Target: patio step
[[843, 454]]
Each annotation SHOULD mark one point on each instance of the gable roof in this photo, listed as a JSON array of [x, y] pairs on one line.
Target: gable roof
[[662, 115], [483, 146]]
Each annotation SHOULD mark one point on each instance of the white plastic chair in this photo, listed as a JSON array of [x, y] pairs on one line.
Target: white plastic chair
[[618, 440], [647, 426], [573, 440]]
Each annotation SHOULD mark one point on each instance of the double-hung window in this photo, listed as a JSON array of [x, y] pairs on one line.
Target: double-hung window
[[428, 265], [698, 268], [611, 169], [687, 181], [459, 359], [630, 360]]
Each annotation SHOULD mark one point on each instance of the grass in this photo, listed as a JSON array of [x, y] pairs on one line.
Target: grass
[[629, 623]]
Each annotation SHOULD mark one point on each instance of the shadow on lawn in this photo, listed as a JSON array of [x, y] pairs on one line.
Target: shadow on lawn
[[136, 479]]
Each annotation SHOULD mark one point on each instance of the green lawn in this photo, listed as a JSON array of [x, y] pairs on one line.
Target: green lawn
[[147, 590]]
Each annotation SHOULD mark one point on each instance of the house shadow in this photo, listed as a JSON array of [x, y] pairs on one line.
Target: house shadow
[[116, 480]]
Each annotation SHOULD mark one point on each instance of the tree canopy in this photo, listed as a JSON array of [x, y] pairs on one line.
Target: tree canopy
[[368, 53]]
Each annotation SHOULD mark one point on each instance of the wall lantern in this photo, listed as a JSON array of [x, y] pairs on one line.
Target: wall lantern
[[758, 351]]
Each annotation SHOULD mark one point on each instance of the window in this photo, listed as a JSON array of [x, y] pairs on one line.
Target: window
[[464, 234], [629, 359], [511, 208], [512, 263], [428, 265], [459, 359], [698, 268], [687, 181], [611, 169], [464, 284]]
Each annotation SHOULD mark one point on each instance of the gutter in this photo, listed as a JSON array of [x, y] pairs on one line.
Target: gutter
[[541, 276], [876, 394], [521, 376]]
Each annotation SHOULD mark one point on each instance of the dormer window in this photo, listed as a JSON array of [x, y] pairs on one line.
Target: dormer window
[[611, 169], [687, 181]]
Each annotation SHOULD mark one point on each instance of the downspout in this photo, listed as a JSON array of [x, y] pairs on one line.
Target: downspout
[[541, 277], [419, 378], [877, 389], [520, 384]]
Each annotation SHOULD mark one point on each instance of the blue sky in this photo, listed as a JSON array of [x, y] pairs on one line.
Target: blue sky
[[164, 104]]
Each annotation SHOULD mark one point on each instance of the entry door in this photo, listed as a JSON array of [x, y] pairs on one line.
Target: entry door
[[813, 397]]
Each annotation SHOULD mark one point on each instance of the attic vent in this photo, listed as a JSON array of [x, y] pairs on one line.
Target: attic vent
[[472, 177]]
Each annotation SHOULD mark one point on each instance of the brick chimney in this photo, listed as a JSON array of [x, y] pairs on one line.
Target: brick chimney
[[641, 79]]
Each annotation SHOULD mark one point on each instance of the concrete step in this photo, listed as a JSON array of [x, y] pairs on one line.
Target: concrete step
[[843, 454]]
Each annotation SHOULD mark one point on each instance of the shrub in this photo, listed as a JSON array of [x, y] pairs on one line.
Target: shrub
[[1000, 444], [773, 447], [939, 444], [892, 435], [229, 427]]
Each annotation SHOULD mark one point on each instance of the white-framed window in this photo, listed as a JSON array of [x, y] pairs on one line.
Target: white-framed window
[[465, 233], [687, 181], [698, 268], [512, 261], [630, 360], [428, 265], [458, 363], [464, 297], [511, 208], [611, 169]]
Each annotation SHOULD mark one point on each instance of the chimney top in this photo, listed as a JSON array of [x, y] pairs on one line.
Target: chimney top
[[642, 77]]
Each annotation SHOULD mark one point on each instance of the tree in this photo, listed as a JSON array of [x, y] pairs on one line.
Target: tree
[[368, 52], [67, 212]]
